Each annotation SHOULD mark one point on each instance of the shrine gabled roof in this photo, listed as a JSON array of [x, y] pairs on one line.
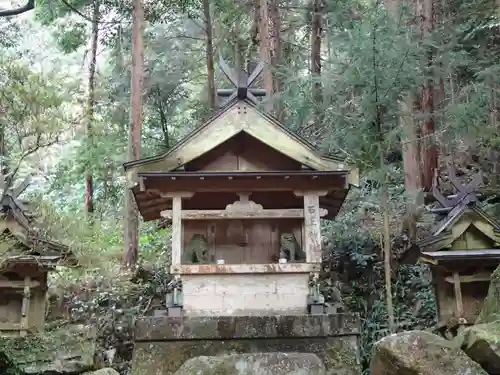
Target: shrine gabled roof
[[21, 243], [445, 236], [449, 221], [234, 118], [446, 233]]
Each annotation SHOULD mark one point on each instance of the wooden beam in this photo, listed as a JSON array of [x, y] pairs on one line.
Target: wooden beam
[[250, 184], [477, 277], [458, 294], [272, 268], [176, 230], [16, 284], [319, 193], [5, 326], [224, 214], [312, 228], [182, 194]]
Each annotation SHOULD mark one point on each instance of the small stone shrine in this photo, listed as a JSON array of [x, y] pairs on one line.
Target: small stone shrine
[[463, 252], [245, 197], [26, 259]]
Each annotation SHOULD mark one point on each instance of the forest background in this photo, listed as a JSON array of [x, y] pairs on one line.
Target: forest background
[[403, 89]]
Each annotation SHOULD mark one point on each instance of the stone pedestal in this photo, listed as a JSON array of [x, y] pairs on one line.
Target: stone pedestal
[[163, 344], [245, 289]]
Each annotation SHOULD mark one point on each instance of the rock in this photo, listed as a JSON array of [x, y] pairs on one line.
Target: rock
[[420, 353], [67, 350], [255, 364], [491, 308], [482, 343], [103, 371]]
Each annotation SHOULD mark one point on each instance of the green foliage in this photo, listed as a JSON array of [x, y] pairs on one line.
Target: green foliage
[[355, 263], [370, 62], [71, 37]]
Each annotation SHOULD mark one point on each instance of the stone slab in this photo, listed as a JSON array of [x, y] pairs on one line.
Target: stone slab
[[339, 354], [163, 344], [242, 294], [244, 327]]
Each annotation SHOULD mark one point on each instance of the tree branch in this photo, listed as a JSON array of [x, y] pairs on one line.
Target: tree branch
[[14, 12]]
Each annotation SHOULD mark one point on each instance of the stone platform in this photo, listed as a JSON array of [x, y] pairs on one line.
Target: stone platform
[[163, 344]]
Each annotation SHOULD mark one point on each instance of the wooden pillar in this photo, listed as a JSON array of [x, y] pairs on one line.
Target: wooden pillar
[[312, 228], [177, 227], [458, 294], [176, 230], [25, 307]]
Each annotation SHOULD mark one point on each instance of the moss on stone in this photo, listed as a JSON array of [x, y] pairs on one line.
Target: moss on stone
[[341, 355], [491, 308], [33, 352]]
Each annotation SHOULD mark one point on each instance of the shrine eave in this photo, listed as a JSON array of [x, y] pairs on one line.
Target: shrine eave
[[164, 182], [436, 257], [152, 193], [241, 174]]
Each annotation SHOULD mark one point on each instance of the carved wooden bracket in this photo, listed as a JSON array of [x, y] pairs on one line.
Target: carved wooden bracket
[[244, 205]]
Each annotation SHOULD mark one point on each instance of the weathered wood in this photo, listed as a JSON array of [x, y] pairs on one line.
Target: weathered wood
[[458, 294], [319, 193], [208, 269], [244, 205], [176, 230], [182, 194], [5, 326], [141, 184], [242, 81], [478, 277], [312, 225], [235, 185], [18, 190], [25, 307], [240, 215], [17, 284], [241, 117]]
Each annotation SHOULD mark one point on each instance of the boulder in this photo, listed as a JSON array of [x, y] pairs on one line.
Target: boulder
[[420, 353], [482, 343], [255, 364], [491, 308], [67, 350], [103, 371]]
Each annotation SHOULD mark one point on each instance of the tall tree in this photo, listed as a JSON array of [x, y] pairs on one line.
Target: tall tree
[[428, 149], [89, 184], [134, 140], [209, 54], [270, 49], [316, 40], [409, 105], [265, 47]]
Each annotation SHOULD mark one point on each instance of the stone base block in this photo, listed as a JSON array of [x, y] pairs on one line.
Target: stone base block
[[163, 344]]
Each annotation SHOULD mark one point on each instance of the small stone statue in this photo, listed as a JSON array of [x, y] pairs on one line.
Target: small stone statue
[[290, 246], [174, 292], [315, 295], [197, 250]]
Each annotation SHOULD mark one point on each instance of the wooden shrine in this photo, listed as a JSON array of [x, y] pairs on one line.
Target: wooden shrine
[[245, 196], [25, 260], [463, 252]]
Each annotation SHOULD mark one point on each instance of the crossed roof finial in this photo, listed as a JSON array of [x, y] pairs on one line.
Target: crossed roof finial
[[7, 190], [465, 193], [242, 82]]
